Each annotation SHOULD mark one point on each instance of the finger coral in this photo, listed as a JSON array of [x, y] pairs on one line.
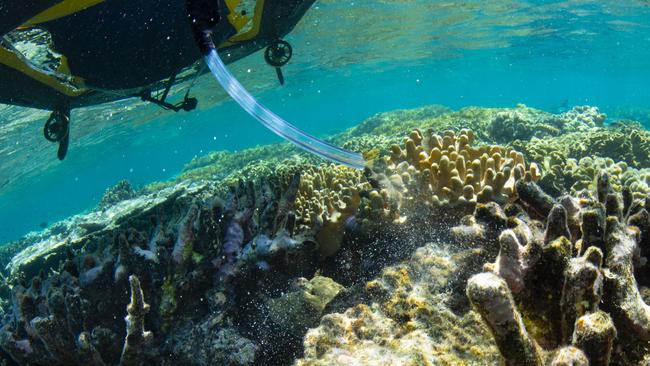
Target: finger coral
[[448, 171], [569, 290]]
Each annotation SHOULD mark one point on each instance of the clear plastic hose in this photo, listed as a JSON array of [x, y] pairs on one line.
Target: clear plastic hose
[[275, 123]]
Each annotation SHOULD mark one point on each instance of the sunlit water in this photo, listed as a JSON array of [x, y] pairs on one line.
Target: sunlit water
[[351, 59]]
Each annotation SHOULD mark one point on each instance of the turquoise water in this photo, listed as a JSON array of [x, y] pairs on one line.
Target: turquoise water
[[352, 59]]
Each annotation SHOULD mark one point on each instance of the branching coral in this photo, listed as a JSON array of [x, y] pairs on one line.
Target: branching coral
[[571, 289], [327, 197], [446, 171], [138, 344]]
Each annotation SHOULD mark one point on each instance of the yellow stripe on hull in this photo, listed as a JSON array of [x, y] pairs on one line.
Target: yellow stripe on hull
[[10, 59], [60, 10]]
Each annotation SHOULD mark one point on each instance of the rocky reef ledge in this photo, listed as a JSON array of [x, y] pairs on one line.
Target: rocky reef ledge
[[474, 237]]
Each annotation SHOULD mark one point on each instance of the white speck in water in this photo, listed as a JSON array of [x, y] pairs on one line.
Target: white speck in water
[[131, 170], [214, 138]]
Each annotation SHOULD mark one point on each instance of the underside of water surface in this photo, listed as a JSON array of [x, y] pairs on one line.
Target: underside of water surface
[[502, 216]]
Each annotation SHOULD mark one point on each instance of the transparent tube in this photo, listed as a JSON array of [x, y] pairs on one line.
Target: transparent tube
[[274, 122]]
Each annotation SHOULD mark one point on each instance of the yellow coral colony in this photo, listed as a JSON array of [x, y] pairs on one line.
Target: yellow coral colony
[[454, 172], [327, 196]]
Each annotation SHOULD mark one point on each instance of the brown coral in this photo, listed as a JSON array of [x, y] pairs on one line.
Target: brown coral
[[587, 296], [447, 171]]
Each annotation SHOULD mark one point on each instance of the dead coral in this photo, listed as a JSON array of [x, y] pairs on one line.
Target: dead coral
[[491, 298], [138, 344]]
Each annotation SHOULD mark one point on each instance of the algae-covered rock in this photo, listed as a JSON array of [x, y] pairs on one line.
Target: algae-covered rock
[[209, 344], [303, 305], [403, 322]]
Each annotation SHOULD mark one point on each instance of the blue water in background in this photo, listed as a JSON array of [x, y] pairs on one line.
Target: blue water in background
[[612, 72]]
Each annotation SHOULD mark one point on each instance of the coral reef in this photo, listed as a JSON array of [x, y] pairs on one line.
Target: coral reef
[[521, 238], [623, 146], [578, 177], [523, 123], [119, 192]]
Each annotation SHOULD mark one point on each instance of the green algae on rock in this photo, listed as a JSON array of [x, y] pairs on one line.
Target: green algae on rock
[[403, 322], [303, 305]]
